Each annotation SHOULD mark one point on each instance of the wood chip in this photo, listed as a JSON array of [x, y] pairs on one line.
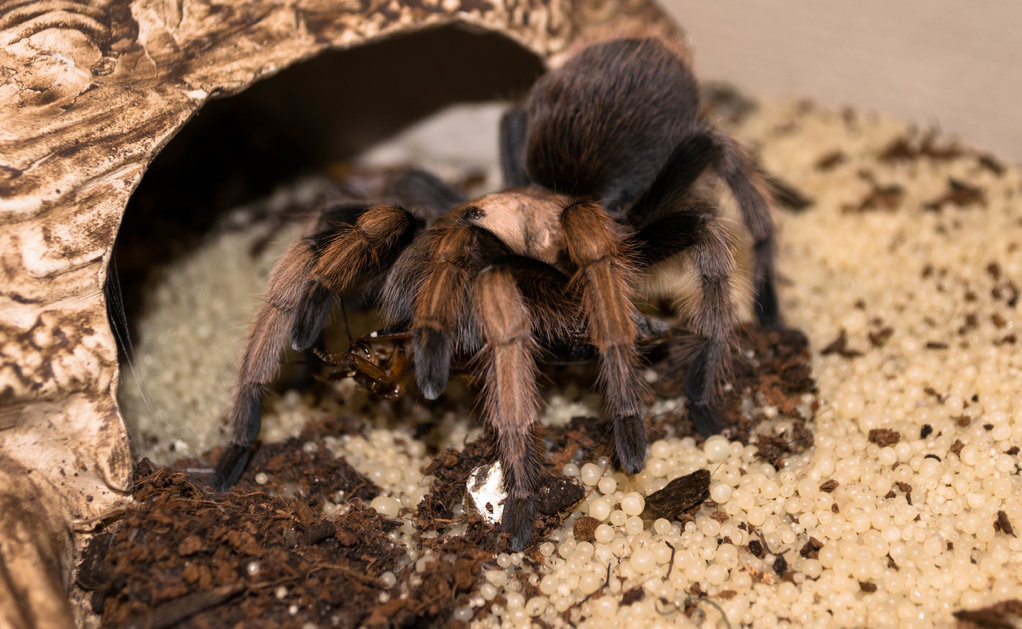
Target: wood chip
[[677, 496]]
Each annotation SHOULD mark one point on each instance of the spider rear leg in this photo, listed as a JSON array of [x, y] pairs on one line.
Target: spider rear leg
[[506, 368], [603, 280], [352, 251], [714, 317], [334, 259], [714, 320], [749, 190]]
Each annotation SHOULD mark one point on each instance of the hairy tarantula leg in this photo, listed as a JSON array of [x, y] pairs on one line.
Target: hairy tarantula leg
[[603, 279], [293, 300], [440, 305], [714, 321], [354, 249], [260, 359], [506, 368], [512, 147], [749, 189], [687, 162], [695, 225]]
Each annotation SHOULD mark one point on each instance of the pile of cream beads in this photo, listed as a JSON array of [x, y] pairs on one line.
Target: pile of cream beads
[[856, 272]]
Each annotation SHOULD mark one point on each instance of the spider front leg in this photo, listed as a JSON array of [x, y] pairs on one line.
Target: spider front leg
[[298, 298], [429, 287], [506, 368], [603, 280], [354, 250]]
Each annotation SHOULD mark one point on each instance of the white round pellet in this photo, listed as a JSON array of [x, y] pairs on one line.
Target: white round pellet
[[604, 534], [720, 492], [642, 561], [633, 503], [386, 506], [599, 508], [607, 485], [717, 448], [590, 474]]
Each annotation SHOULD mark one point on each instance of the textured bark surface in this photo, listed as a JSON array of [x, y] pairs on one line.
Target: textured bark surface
[[89, 94]]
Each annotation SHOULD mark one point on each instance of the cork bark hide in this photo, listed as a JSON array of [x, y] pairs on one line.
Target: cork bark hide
[[90, 93]]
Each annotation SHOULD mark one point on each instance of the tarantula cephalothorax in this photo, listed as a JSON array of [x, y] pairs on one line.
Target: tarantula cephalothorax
[[600, 163]]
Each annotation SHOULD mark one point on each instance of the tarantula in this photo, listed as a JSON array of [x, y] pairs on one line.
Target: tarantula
[[600, 163]]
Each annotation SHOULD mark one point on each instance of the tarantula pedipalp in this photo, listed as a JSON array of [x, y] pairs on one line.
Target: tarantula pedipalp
[[601, 162]]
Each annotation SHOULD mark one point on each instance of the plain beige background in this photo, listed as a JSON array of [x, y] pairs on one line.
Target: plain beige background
[[951, 64]]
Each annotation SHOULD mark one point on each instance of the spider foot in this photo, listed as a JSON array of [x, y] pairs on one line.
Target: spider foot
[[310, 316], [230, 467], [768, 313], [245, 419], [432, 358], [630, 442], [519, 520], [706, 419]]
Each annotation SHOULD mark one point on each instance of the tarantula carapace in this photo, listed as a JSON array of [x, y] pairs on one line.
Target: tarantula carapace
[[600, 162]]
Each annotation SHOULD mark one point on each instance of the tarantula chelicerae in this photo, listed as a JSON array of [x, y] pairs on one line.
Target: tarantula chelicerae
[[600, 163]]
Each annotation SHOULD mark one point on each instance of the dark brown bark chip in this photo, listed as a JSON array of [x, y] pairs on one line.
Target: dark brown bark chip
[[774, 448], [1003, 615], [831, 160], [632, 596], [991, 163], [898, 150], [679, 495], [1003, 525], [959, 194], [867, 586], [840, 346], [906, 148], [756, 549], [879, 338], [811, 549], [585, 529], [829, 486], [558, 494], [956, 447], [880, 197], [884, 436]]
